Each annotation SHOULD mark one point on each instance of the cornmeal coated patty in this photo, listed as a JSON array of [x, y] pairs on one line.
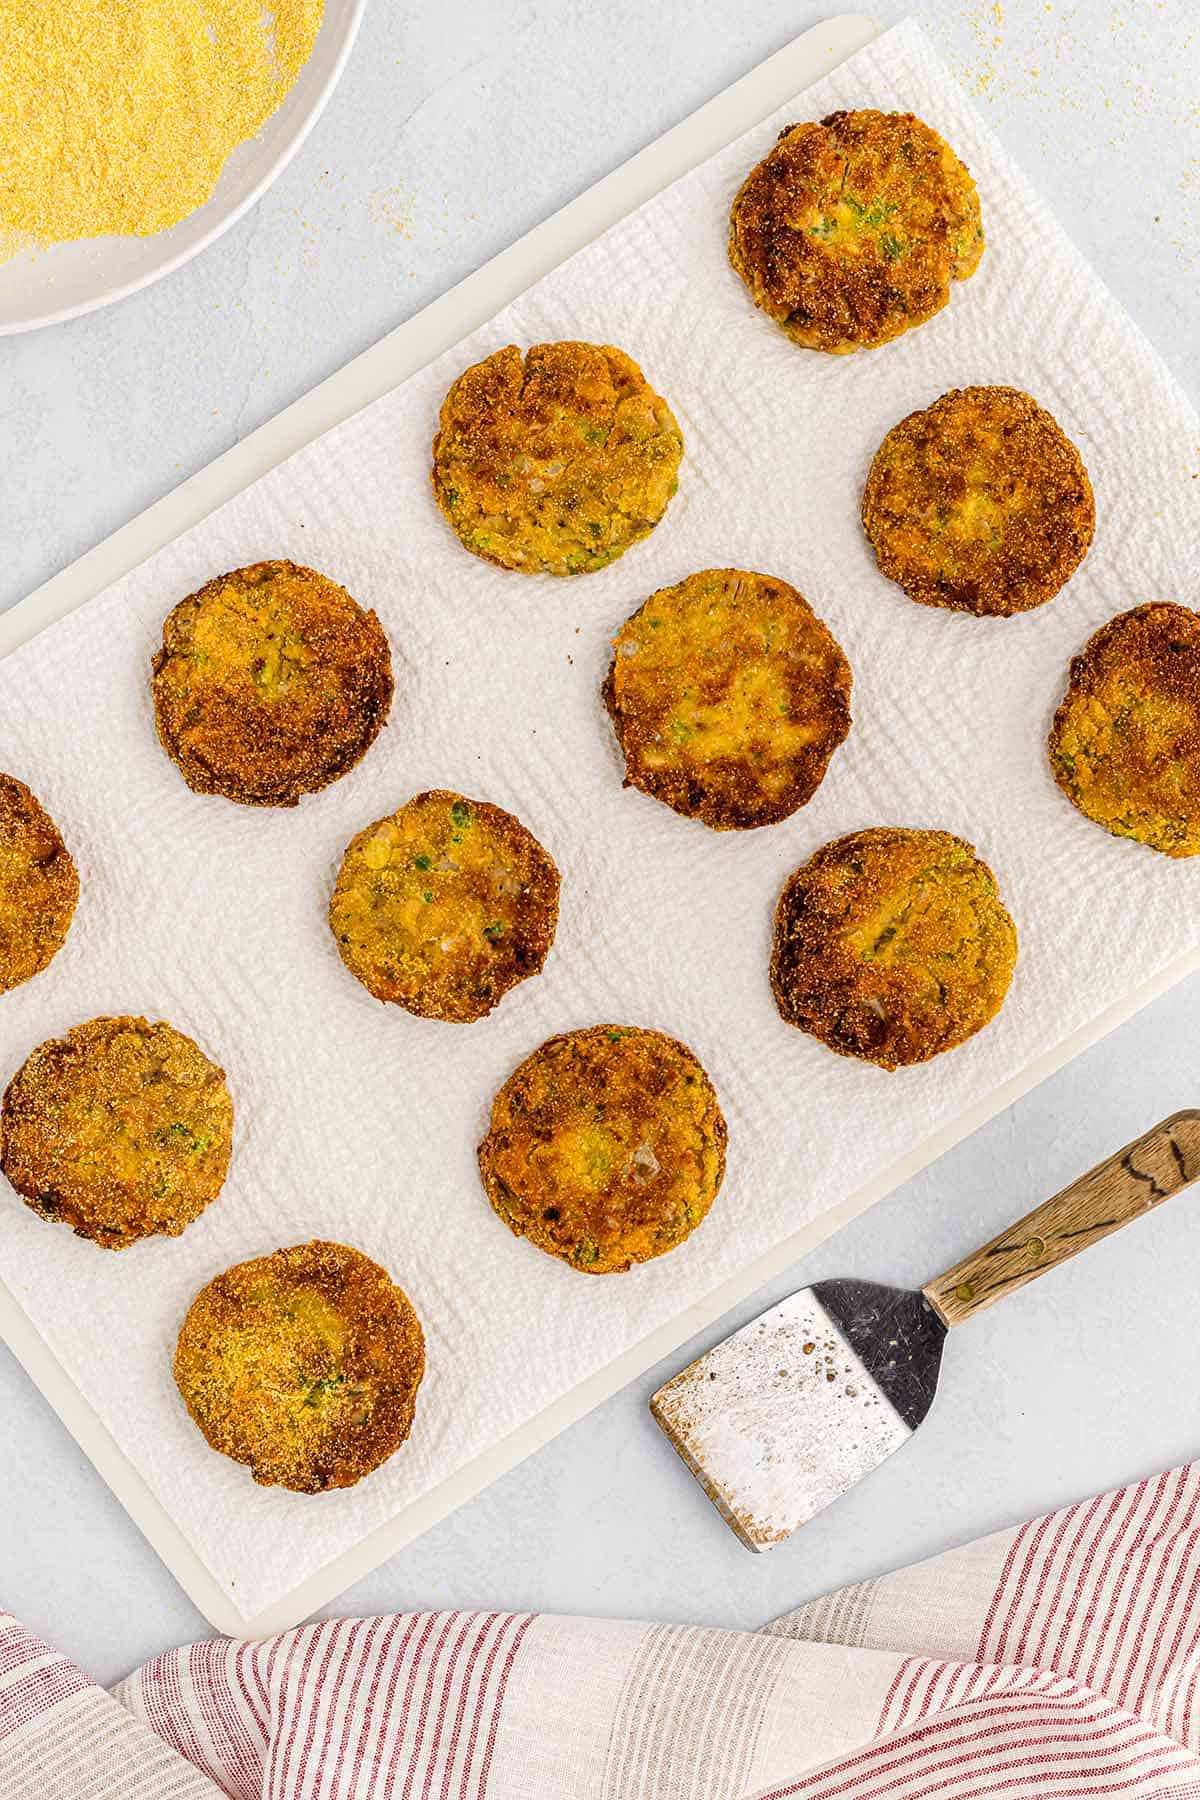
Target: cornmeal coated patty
[[303, 1365], [444, 906], [1125, 744], [851, 231], [606, 1147], [892, 945], [122, 1129], [38, 885], [271, 683], [556, 461], [729, 696], [980, 503]]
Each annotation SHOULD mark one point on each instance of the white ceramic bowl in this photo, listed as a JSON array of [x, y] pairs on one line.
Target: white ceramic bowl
[[41, 287]]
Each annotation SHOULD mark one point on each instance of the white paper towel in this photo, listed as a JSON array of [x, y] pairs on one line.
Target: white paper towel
[[357, 1122]]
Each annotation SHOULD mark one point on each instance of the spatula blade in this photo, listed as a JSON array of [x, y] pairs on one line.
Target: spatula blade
[[785, 1415]]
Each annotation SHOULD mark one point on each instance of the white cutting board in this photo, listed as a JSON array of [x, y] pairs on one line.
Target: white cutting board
[[404, 352]]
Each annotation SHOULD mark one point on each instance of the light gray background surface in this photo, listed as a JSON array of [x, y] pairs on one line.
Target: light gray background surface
[[448, 137]]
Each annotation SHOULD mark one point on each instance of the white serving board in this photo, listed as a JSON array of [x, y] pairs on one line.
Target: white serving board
[[402, 354]]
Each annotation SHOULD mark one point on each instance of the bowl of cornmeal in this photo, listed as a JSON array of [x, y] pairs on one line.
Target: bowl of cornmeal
[[134, 132]]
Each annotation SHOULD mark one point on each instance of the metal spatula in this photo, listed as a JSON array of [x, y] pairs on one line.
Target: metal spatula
[[794, 1409]]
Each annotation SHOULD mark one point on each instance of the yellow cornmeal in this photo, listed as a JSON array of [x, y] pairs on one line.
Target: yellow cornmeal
[[117, 116]]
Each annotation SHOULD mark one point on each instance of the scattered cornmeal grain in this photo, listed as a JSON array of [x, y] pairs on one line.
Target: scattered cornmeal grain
[[38, 885], [303, 1365], [606, 1147], [728, 696], [122, 1129], [271, 683], [117, 116], [980, 503], [851, 231], [1125, 744], [444, 906], [554, 462], [892, 945]]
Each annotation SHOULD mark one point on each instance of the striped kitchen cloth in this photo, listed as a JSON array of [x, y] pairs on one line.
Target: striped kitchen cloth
[[1058, 1660]]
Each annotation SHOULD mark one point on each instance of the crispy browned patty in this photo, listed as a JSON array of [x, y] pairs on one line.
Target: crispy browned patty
[[271, 683], [444, 906], [38, 885], [606, 1147], [892, 945], [729, 696], [980, 503], [1125, 744], [122, 1129], [851, 231], [303, 1365], [555, 462]]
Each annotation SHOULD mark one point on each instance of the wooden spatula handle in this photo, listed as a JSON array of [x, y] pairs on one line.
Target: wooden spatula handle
[[1121, 1188]]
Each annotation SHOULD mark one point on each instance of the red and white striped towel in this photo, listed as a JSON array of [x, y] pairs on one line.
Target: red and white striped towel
[[1058, 1660]]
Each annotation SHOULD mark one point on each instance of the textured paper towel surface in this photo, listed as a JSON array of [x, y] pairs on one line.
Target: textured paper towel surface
[[355, 1121]]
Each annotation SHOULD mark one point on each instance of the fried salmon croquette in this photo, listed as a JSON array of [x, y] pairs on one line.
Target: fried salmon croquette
[[271, 683], [980, 503], [892, 946], [122, 1130], [555, 462], [444, 906], [729, 697], [303, 1365], [851, 231], [38, 885], [1125, 743], [606, 1147]]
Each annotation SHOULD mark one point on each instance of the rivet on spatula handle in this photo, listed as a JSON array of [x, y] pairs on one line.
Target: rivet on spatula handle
[[1121, 1188]]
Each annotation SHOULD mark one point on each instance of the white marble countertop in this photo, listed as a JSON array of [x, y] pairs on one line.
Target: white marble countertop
[[444, 142]]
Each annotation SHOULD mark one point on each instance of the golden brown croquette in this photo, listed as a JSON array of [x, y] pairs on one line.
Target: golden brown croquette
[[444, 906], [851, 231], [728, 696], [892, 945], [38, 885], [606, 1147], [122, 1129], [270, 684], [980, 503], [303, 1365], [1125, 744], [556, 461]]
